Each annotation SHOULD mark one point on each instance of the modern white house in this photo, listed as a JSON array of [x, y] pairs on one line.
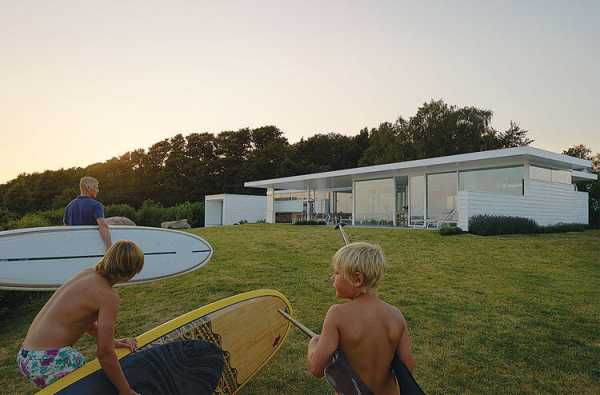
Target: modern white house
[[523, 181], [228, 209]]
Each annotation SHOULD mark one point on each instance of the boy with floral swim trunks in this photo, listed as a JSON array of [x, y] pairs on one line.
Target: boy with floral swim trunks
[[87, 303]]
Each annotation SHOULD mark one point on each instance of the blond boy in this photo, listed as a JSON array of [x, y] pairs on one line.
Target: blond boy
[[85, 303], [367, 330]]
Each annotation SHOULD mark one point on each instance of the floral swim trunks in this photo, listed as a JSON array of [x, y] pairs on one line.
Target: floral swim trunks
[[45, 367]]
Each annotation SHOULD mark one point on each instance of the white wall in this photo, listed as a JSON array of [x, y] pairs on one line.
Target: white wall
[[546, 203], [243, 207], [213, 210]]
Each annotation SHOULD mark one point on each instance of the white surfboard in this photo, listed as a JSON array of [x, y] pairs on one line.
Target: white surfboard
[[42, 259]]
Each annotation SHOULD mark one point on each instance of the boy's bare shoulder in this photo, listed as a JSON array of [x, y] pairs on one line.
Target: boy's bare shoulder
[[336, 311], [395, 313], [102, 291]]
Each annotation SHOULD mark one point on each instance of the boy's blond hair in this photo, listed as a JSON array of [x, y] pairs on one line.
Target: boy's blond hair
[[361, 257], [88, 182], [122, 261]]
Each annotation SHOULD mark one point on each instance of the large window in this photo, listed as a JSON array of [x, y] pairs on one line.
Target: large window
[[343, 202], [416, 192], [549, 175], [375, 202], [287, 195], [342, 207], [441, 194], [507, 180]]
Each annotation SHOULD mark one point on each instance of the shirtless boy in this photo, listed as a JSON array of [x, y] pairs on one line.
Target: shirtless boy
[[85, 303], [367, 330]]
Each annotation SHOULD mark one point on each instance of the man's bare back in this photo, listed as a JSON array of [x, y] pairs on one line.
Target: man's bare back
[[70, 312]]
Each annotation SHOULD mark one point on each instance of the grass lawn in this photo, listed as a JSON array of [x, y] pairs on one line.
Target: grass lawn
[[487, 315]]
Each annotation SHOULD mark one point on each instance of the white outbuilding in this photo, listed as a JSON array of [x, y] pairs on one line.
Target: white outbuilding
[[229, 209]]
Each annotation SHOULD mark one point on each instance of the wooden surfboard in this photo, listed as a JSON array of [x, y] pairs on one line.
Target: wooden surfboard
[[42, 259], [248, 328]]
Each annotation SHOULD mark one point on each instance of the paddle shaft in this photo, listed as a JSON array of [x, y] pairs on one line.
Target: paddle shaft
[[343, 233], [298, 324]]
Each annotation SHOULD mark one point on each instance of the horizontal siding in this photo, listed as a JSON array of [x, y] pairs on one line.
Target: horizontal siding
[[543, 202]]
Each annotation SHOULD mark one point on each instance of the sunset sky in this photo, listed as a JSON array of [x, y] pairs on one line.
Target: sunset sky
[[81, 82]]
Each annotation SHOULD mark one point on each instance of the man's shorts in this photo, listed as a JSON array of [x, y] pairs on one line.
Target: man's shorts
[[42, 368]]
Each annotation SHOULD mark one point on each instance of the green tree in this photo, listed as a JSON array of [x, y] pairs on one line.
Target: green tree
[[154, 164], [579, 151], [267, 157], [591, 187], [200, 165], [325, 152], [514, 136], [232, 149], [174, 176]]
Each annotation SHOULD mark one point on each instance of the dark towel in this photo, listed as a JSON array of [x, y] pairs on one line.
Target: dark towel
[[345, 381]]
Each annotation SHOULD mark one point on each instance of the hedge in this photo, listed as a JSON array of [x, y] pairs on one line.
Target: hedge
[[487, 225], [310, 222]]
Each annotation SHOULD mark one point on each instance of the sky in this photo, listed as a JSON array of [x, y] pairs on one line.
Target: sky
[[82, 82]]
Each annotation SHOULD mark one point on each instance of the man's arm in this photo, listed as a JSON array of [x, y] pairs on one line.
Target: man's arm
[[404, 348], [105, 345], [321, 348], [104, 232]]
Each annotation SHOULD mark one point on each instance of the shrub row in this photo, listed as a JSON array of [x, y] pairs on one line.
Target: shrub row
[[310, 222], [150, 214], [447, 230], [487, 225]]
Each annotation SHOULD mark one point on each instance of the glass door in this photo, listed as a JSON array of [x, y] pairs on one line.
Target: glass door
[[416, 197], [402, 201]]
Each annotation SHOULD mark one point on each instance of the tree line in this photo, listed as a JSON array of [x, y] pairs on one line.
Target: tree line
[[186, 168]]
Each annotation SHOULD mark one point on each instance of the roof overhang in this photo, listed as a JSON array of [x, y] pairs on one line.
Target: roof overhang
[[332, 180], [583, 176]]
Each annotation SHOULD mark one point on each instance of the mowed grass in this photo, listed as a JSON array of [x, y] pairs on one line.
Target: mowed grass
[[487, 315]]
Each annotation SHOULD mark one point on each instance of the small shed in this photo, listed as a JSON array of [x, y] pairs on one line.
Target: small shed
[[229, 209]]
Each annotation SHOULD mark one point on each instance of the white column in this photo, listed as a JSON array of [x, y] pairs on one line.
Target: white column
[[395, 197], [353, 202], [270, 215], [525, 176]]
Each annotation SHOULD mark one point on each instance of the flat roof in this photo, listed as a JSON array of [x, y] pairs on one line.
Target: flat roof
[[343, 178], [222, 196]]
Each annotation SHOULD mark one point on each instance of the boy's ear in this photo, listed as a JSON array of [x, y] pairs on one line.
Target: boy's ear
[[358, 279]]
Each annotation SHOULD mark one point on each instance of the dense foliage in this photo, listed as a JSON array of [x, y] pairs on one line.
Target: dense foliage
[[186, 168], [592, 188], [149, 214], [487, 225]]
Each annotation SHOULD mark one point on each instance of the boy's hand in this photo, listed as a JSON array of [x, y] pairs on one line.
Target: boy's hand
[[129, 343], [313, 340]]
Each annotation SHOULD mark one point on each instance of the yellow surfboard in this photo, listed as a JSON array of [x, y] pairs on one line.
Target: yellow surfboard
[[247, 327]]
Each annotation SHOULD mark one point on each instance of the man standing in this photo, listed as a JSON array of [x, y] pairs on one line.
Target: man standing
[[86, 210]]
